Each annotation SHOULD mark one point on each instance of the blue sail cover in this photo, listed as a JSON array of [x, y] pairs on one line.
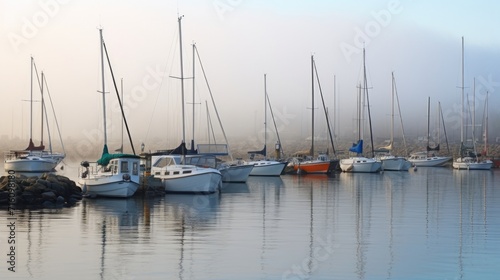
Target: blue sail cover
[[357, 147]]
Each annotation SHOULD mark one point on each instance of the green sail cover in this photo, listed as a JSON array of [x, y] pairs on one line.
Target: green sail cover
[[107, 157]]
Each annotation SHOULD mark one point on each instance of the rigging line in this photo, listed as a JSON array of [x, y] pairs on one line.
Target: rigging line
[[40, 85], [118, 96], [399, 112], [274, 122], [324, 108], [174, 43], [54, 112], [213, 102], [368, 104], [444, 127]]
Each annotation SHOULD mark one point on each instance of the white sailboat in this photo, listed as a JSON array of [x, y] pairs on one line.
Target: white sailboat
[[265, 167], [360, 163], [469, 158], [34, 159], [113, 175], [389, 161], [177, 176], [429, 158]]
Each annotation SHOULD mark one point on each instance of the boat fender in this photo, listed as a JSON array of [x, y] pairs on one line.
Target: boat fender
[[126, 177]]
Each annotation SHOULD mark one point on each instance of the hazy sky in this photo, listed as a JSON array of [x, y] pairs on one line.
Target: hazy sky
[[238, 42]]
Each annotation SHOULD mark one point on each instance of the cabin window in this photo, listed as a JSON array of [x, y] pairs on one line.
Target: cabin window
[[176, 172], [135, 170], [187, 171], [124, 167], [115, 169]]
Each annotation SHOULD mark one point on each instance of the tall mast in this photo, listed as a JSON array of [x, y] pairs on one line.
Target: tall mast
[[462, 87], [392, 110], [103, 91], [486, 125], [182, 82], [312, 106], [121, 85], [192, 139], [265, 115], [428, 121], [41, 130], [31, 102]]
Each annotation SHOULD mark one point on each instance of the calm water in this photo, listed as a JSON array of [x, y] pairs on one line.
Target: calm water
[[434, 223]]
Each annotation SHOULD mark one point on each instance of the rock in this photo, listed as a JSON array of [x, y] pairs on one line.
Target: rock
[[48, 204], [50, 196], [60, 200], [28, 197], [48, 190]]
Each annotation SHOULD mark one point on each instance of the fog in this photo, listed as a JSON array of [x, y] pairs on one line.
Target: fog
[[238, 42]]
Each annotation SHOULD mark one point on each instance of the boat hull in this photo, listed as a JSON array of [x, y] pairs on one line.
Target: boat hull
[[110, 186], [395, 164], [236, 173], [33, 163], [472, 165], [360, 165], [267, 168], [206, 182], [431, 161], [315, 167]]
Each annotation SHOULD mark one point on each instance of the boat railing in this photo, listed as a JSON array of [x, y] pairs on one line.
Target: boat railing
[[88, 168]]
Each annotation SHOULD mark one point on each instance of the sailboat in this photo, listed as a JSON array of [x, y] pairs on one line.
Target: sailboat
[[34, 158], [322, 164], [113, 175], [360, 163], [469, 158], [177, 176], [391, 162], [429, 158], [265, 167]]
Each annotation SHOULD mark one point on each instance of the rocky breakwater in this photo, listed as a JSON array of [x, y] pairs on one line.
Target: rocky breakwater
[[46, 191]]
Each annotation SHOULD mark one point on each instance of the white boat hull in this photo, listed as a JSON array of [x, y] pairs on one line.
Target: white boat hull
[[267, 168], [236, 173], [393, 163], [33, 163], [430, 161], [206, 182], [110, 186], [472, 165], [360, 165]]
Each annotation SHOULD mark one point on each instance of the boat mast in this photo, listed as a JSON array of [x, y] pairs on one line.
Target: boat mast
[[392, 110], [312, 106], [103, 88], [486, 125], [41, 130], [428, 122], [121, 88], [462, 87], [265, 116], [182, 83], [192, 139], [31, 102]]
